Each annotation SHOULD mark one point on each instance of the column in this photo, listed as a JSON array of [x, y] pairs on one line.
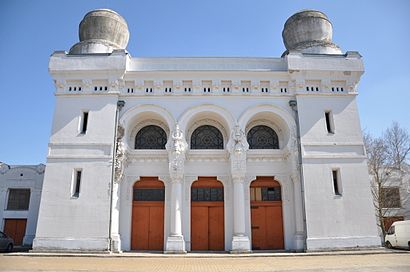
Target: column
[[237, 147], [300, 233], [240, 241], [176, 151], [115, 219], [175, 241]]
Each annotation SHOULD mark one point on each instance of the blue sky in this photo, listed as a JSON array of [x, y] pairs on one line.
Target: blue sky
[[32, 30]]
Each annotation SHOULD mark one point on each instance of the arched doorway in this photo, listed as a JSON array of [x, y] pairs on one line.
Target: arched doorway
[[147, 232], [266, 214], [207, 215]]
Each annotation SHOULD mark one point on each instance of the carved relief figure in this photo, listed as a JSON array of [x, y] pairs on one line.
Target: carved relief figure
[[176, 152], [120, 157]]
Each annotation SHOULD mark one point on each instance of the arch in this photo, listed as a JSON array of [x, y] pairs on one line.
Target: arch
[[140, 116], [147, 227], [206, 137], [266, 214], [150, 137], [262, 137], [207, 115], [280, 120], [207, 214]]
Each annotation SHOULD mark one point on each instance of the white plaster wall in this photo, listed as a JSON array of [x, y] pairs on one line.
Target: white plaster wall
[[335, 221], [82, 223], [22, 177]]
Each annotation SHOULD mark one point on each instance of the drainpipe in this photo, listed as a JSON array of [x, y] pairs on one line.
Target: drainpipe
[[294, 105], [120, 105]]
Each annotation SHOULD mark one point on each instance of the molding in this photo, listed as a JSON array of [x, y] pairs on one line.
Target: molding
[[208, 155]]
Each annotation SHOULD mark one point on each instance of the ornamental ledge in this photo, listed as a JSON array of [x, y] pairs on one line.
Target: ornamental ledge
[[208, 155]]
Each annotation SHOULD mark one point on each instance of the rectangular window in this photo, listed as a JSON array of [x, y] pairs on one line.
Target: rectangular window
[[19, 199], [84, 122], [329, 122], [336, 182], [76, 183], [390, 197]]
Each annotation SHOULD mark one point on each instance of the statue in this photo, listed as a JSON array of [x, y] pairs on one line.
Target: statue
[[237, 147], [176, 152]]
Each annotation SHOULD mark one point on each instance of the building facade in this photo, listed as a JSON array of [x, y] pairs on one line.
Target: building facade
[[20, 193], [395, 196], [218, 154]]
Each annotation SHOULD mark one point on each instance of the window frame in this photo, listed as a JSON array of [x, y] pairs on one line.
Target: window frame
[[220, 141], [76, 182], [269, 130], [329, 122], [18, 201], [161, 134], [337, 182]]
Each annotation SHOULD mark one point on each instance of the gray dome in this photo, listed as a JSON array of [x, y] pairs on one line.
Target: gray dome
[[309, 31], [101, 31]]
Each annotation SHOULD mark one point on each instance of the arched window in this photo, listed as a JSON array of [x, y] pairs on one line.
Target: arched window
[[262, 137], [151, 137], [207, 137]]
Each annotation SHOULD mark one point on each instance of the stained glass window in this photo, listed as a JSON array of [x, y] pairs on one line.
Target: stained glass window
[[151, 137], [207, 137], [262, 137]]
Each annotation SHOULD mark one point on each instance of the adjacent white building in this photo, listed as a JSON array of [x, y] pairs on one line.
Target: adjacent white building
[[20, 193], [225, 154]]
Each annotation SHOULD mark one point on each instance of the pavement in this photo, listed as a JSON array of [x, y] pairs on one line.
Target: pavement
[[381, 260]]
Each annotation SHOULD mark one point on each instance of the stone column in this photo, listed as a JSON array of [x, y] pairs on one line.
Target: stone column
[[115, 220], [294, 156], [176, 152], [237, 147]]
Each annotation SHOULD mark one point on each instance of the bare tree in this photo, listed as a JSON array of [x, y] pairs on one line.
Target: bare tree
[[386, 156], [397, 144]]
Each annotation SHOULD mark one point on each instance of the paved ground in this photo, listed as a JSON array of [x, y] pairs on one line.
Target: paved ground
[[381, 262]]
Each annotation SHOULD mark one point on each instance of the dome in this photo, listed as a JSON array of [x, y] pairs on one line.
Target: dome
[[101, 31], [309, 31]]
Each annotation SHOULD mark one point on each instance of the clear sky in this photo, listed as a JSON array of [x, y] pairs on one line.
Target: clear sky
[[31, 30]]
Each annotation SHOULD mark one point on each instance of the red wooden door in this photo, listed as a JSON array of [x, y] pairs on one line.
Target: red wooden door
[[199, 228], [266, 214], [147, 232], [216, 227], [207, 215], [16, 229]]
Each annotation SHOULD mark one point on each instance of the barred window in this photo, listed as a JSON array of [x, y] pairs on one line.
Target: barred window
[[265, 194], [149, 194], [19, 199], [390, 197], [262, 137], [207, 194], [207, 137], [151, 137]]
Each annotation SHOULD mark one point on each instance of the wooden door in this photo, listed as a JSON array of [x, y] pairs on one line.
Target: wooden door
[[16, 229], [266, 214], [147, 231], [207, 215]]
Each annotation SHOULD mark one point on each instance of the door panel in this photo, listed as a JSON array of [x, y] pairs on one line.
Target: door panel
[[216, 228], [199, 228], [140, 228], [156, 228], [258, 227], [16, 229], [274, 228]]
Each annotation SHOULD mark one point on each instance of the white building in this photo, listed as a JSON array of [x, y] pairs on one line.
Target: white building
[[20, 193], [184, 154]]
